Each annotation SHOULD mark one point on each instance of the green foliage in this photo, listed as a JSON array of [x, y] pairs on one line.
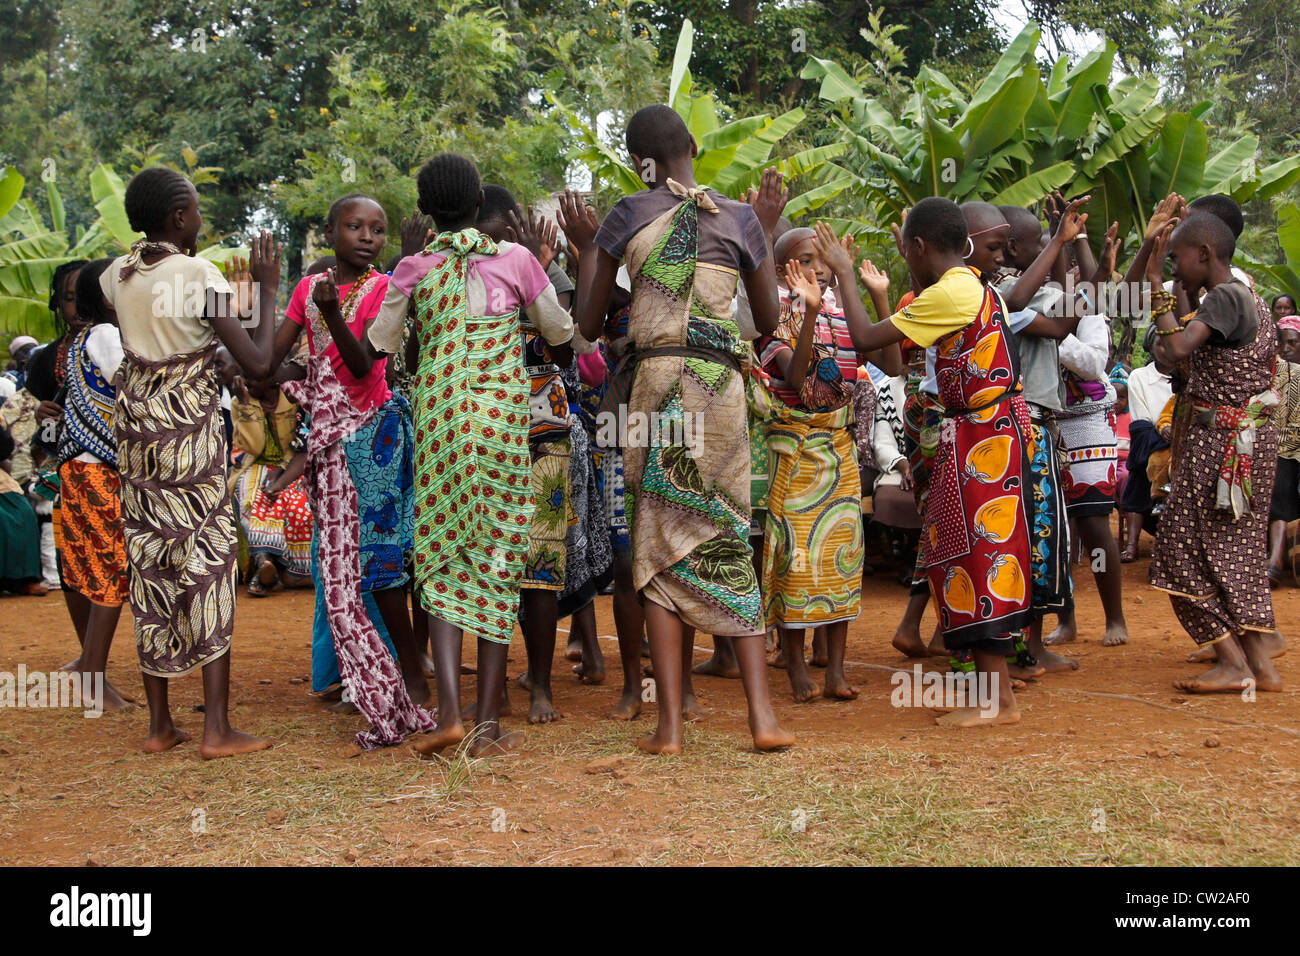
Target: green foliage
[[1018, 137], [30, 250], [732, 151]]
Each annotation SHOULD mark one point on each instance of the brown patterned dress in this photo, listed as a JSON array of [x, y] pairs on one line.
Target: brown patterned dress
[[1211, 561]]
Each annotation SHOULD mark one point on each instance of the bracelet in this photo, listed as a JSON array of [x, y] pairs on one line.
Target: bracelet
[[1162, 302], [1160, 331]]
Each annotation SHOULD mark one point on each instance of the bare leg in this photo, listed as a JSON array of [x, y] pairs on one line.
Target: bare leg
[[691, 709], [397, 618], [752, 657], [907, 638], [489, 739], [450, 730], [540, 611], [420, 628], [1050, 662], [163, 734], [723, 662], [219, 738], [1102, 553], [993, 669], [664, 630], [1231, 675], [591, 669], [837, 686], [802, 685], [630, 624], [100, 626], [1276, 547], [819, 654], [79, 611]]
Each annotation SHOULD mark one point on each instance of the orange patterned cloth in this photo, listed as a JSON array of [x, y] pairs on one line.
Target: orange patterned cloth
[[91, 544]]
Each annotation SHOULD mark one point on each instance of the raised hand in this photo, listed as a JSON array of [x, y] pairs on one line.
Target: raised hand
[[538, 236], [417, 230], [835, 253], [326, 294], [241, 283], [1159, 251], [803, 287], [264, 261], [873, 278], [578, 221], [1109, 253], [769, 199], [1170, 209], [897, 229], [1072, 222]]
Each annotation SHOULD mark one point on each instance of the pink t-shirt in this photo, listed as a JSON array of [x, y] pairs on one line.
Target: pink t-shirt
[[371, 391]]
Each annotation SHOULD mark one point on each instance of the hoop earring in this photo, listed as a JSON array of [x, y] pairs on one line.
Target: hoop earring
[[970, 246]]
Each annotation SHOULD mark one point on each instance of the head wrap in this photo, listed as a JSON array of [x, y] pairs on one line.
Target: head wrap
[[1119, 375], [1291, 323]]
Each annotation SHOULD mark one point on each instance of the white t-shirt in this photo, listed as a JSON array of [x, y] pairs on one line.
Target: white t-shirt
[[160, 307]]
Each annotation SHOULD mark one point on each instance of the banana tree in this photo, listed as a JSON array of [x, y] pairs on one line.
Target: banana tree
[[30, 250], [732, 152], [1018, 137], [1275, 278]]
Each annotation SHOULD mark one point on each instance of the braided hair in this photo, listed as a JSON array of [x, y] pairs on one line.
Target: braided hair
[[60, 276], [449, 188], [152, 195]]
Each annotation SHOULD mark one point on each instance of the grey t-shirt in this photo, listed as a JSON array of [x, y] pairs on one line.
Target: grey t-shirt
[[559, 278], [1230, 312]]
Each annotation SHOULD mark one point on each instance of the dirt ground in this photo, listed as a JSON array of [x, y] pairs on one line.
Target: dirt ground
[[1110, 765]]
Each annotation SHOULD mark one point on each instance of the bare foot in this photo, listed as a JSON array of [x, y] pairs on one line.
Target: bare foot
[[438, 739], [628, 706], [594, 674], [936, 647], [908, 643], [837, 688], [73, 665], [819, 657], [779, 661], [1065, 633], [769, 735], [1027, 673], [1203, 655], [1055, 663], [1274, 644], [540, 708], [524, 681], [573, 650], [426, 666], [1115, 635], [1261, 664], [231, 744], [654, 744], [484, 746], [975, 717], [803, 687], [1017, 684], [110, 701], [345, 707], [692, 709], [165, 740], [1220, 679], [715, 666]]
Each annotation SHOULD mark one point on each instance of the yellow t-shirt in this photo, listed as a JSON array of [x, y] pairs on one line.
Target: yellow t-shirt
[[946, 307], [160, 307]]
